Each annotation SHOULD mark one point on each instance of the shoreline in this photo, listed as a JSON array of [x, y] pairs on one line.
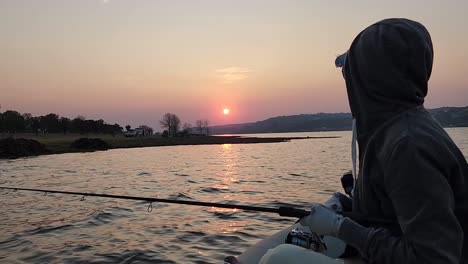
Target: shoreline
[[60, 144]]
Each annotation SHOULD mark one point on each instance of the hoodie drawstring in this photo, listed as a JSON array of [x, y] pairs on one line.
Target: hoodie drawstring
[[354, 154]]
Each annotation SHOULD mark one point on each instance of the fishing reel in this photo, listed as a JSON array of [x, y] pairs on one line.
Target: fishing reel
[[307, 240]]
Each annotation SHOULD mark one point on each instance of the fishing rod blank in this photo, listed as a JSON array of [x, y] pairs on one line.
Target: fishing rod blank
[[282, 210], [286, 211]]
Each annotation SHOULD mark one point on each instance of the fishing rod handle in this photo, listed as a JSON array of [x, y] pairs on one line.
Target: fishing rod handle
[[292, 212], [299, 213]]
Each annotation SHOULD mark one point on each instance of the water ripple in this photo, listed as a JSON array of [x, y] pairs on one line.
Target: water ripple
[[63, 229]]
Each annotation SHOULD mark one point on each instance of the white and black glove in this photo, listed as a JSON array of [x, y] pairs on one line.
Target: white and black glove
[[334, 203], [339, 202], [323, 220]]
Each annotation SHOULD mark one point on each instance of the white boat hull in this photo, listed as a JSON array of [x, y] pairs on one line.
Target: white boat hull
[[273, 250]]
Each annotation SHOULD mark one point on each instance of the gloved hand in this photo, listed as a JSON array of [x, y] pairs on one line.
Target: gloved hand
[[339, 203], [334, 203], [322, 220]]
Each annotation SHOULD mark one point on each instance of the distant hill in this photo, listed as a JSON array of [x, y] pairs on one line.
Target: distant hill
[[447, 116]]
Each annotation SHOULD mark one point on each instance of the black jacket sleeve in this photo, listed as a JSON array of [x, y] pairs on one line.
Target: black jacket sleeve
[[417, 182]]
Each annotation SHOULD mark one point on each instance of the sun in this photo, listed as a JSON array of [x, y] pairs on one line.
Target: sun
[[226, 111]]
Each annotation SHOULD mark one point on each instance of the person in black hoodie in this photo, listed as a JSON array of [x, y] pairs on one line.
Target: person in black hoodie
[[411, 173]]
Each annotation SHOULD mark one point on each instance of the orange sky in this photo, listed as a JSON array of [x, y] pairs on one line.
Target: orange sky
[[132, 61]]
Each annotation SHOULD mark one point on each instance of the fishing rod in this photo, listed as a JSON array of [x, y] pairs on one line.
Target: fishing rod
[[282, 210], [286, 211]]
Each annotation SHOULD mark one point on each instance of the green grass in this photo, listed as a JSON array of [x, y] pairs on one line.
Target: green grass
[[60, 143]]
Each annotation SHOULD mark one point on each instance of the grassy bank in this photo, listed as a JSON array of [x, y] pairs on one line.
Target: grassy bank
[[59, 143]]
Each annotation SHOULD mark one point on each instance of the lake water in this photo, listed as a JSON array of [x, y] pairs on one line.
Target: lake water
[[38, 228]]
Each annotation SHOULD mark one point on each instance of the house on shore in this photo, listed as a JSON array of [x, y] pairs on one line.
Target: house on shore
[[140, 131]]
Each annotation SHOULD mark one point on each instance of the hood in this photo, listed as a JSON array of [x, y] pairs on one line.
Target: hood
[[386, 70]]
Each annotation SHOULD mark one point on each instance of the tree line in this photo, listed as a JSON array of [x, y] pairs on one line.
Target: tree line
[[172, 124], [14, 122]]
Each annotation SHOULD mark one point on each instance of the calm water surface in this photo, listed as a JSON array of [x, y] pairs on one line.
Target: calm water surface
[[38, 228]]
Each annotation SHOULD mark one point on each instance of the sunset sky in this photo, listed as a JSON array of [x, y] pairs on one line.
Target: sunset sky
[[131, 61]]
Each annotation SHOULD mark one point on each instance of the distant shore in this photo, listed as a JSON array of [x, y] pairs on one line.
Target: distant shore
[[59, 143]]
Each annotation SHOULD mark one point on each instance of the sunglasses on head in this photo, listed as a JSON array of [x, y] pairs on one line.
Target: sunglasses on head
[[340, 61]]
